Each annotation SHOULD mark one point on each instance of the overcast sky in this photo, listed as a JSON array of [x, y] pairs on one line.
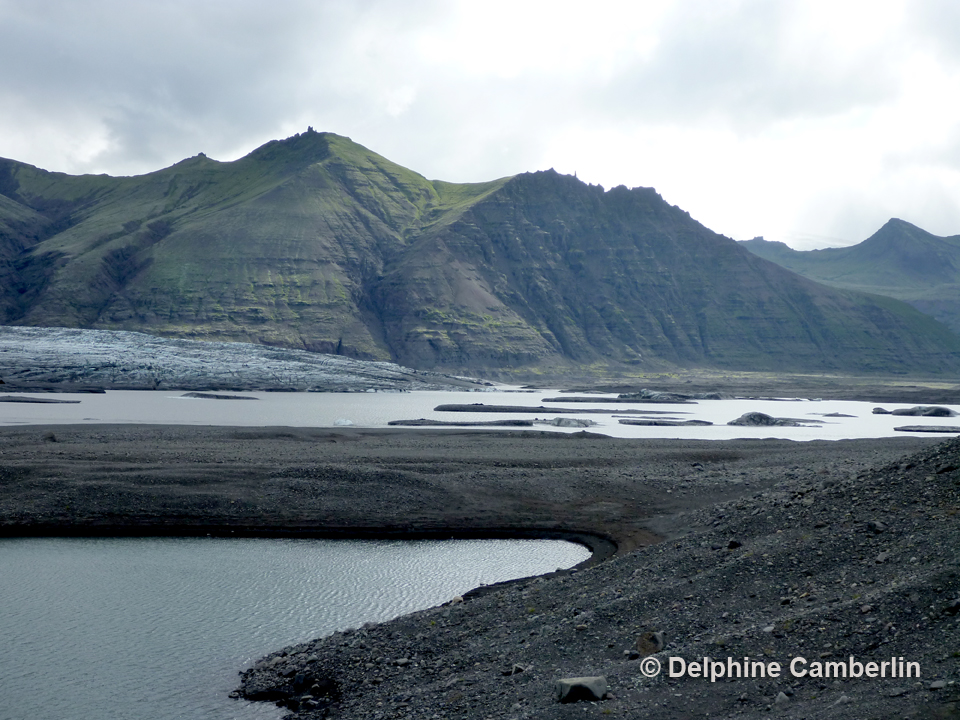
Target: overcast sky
[[808, 122]]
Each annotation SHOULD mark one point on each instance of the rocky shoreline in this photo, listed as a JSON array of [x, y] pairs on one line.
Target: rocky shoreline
[[840, 567], [769, 549]]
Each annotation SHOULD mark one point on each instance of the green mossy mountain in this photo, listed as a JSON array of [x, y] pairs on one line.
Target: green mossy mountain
[[315, 242], [900, 261]]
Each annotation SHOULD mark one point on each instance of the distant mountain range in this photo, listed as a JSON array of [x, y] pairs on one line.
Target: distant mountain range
[[317, 243], [900, 261]]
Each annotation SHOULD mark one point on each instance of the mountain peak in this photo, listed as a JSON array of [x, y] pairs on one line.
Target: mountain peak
[[308, 147], [899, 260], [316, 242], [898, 236], [898, 223]]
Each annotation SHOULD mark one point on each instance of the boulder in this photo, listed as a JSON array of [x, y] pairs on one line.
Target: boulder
[[650, 643], [759, 419], [925, 411], [571, 422], [579, 689]]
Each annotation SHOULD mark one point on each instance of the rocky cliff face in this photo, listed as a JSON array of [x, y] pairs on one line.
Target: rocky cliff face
[[317, 243]]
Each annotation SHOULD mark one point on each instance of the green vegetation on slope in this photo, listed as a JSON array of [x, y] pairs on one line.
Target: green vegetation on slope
[[316, 242]]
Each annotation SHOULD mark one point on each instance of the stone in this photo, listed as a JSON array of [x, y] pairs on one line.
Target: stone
[[759, 419], [938, 685], [650, 642], [579, 689], [754, 419], [781, 699], [571, 422], [876, 527], [925, 411]]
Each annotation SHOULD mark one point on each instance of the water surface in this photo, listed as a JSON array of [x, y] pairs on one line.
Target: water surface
[[158, 628], [850, 419]]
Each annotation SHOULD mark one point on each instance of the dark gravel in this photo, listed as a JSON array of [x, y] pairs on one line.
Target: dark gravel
[[769, 549], [825, 564]]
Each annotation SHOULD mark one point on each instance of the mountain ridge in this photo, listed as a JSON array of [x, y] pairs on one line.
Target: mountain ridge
[[900, 260], [317, 243]]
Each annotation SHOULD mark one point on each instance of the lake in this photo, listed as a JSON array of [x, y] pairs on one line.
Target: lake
[[839, 419], [158, 628]]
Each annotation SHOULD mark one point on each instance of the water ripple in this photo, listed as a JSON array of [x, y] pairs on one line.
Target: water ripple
[[156, 629]]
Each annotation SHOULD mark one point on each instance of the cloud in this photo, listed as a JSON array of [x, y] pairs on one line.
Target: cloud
[[748, 113], [157, 79], [934, 24]]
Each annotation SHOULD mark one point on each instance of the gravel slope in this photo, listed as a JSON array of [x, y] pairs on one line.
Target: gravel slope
[[823, 566], [839, 549]]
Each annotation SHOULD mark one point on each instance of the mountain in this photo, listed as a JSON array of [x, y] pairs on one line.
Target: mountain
[[900, 261], [317, 243]]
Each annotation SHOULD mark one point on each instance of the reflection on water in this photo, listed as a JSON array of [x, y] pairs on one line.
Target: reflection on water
[[158, 628]]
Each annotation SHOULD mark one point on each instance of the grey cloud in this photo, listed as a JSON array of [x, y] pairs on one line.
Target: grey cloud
[[166, 79]]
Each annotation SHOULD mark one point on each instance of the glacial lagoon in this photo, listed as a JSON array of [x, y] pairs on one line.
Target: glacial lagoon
[[824, 420]]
